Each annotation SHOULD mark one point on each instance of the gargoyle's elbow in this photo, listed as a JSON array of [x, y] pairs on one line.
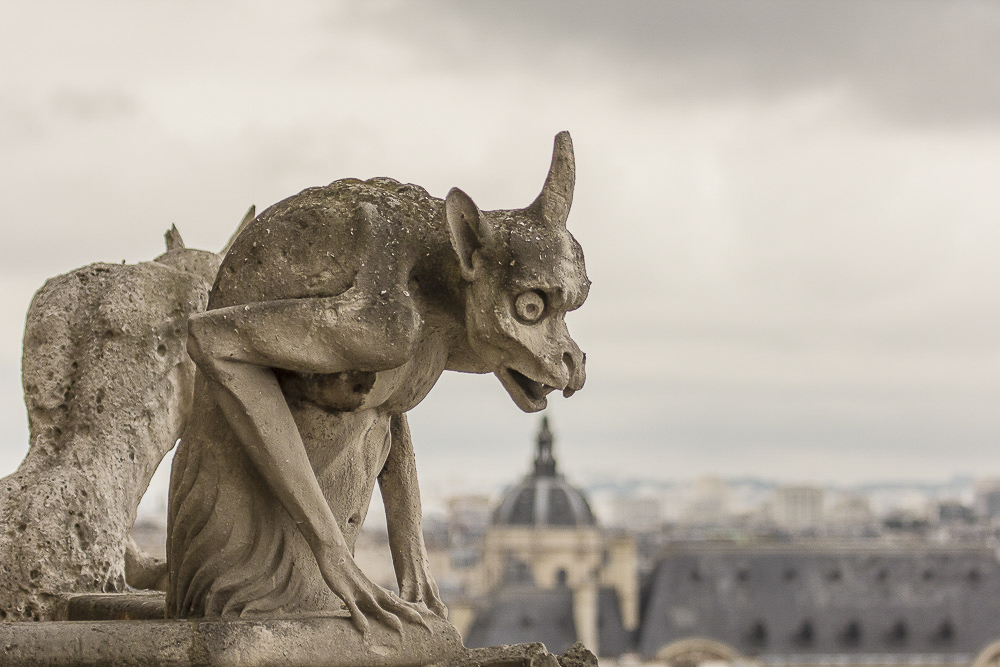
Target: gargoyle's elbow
[[198, 338]]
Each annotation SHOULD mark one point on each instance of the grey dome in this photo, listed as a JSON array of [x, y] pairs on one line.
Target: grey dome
[[544, 498]]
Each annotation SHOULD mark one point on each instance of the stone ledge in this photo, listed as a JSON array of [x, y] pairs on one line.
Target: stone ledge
[[329, 641], [133, 606]]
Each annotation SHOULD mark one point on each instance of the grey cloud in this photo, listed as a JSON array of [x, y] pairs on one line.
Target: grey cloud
[[920, 61]]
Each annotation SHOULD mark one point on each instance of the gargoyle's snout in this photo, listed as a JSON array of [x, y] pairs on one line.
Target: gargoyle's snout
[[575, 363]]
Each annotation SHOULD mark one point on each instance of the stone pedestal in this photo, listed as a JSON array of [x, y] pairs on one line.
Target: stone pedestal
[[128, 630]]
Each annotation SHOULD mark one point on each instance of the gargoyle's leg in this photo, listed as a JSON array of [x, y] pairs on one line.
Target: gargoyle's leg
[[236, 349], [401, 497]]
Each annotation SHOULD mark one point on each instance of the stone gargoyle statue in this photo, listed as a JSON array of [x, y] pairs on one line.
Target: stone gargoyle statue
[[334, 313]]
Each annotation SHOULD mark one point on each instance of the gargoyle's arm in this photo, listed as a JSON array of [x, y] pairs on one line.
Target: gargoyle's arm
[[236, 349], [401, 497], [354, 331]]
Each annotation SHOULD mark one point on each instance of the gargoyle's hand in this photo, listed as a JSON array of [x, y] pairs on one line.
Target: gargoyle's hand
[[419, 587], [363, 598]]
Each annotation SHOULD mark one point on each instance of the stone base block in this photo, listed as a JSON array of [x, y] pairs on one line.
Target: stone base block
[[305, 642], [128, 630]]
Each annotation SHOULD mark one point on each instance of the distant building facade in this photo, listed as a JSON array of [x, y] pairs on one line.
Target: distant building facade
[[796, 601], [798, 508], [987, 498]]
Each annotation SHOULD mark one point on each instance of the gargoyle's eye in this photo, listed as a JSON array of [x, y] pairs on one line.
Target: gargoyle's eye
[[529, 306]]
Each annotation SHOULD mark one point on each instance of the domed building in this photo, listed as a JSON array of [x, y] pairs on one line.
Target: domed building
[[551, 573]]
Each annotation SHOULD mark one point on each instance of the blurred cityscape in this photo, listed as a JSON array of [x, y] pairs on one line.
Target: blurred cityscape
[[713, 570]]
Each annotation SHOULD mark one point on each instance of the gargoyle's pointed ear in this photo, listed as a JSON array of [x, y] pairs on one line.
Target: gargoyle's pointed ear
[[557, 194], [467, 228], [173, 239]]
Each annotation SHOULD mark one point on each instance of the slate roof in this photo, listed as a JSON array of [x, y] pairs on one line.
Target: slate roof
[[522, 613], [613, 639], [834, 600]]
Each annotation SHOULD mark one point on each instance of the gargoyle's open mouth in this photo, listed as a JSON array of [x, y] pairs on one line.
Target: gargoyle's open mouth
[[527, 393], [534, 390]]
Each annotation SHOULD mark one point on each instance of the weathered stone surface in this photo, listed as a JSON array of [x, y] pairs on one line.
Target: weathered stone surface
[[525, 655], [447, 650], [107, 385], [321, 641], [142, 605], [327, 641], [334, 313], [578, 656]]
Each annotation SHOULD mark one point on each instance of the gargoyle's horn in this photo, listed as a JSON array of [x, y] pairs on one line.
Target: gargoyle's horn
[[248, 217], [557, 193]]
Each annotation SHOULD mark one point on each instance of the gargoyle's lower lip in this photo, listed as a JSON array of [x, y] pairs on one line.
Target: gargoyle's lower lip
[[536, 391]]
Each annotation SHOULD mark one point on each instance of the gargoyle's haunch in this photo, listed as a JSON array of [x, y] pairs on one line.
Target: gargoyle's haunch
[[334, 313]]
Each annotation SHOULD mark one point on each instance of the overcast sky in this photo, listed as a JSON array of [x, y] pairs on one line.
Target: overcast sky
[[790, 210]]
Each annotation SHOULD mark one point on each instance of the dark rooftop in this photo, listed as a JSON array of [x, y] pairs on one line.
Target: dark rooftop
[[522, 614], [781, 601]]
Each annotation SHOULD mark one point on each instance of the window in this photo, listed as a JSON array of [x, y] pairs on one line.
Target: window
[[851, 635], [898, 633], [757, 637], [805, 635], [945, 633]]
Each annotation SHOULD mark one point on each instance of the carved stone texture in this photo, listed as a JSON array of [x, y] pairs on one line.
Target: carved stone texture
[[108, 386], [317, 641], [334, 313], [525, 655]]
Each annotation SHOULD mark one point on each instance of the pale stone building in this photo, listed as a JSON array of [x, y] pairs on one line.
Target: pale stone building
[[798, 508]]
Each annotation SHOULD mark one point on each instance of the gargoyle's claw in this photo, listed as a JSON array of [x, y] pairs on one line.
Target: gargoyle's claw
[[357, 618], [439, 608], [423, 591], [418, 619], [390, 619], [404, 612]]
